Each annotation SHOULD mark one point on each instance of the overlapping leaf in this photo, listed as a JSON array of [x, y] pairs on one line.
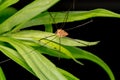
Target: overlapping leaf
[[40, 66], [52, 48], [25, 14], [35, 34]]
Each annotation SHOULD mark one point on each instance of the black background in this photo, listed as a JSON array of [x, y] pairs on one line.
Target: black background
[[104, 29]]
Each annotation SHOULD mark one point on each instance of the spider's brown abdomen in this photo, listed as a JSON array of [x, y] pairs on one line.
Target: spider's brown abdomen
[[61, 33]]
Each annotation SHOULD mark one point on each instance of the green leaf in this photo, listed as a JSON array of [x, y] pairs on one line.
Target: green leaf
[[51, 44], [65, 51], [37, 35], [25, 14], [11, 53], [2, 76], [78, 54], [0, 1], [6, 13], [45, 18], [48, 27], [41, 66], [82, 54], [6, 3], [68, 75], [14, 55]]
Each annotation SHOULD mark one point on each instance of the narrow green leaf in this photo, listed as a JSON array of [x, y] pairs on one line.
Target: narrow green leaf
[[5, 3], [45, 18], [41, 66], [0, 1], [17, 58], [48, 28], [2, 76], [37, 35], [14, 55], [25, 14], [74, 52], [68, 75], [79, 54], [6, 13], [82, 54]]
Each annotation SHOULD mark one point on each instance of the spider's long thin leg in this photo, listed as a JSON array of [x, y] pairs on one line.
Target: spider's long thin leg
[[5, 61], [79, 25]]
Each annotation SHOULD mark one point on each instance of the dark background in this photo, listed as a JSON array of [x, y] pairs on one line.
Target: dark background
[[104, 29]]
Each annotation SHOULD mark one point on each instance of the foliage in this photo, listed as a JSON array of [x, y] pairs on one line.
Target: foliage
[[22, 45], [2, 76]]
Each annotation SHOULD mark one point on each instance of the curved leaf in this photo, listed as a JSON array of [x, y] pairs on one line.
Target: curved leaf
[[73, 51], [41, 66], [2, 76], [5, 3], [25, 14], [39, 35], [82, 54], [68, 75], [6, 13], [12, 54], [78, 54], [45, 18]]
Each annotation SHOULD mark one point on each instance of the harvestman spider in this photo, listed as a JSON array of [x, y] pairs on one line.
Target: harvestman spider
[[60, 32]]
